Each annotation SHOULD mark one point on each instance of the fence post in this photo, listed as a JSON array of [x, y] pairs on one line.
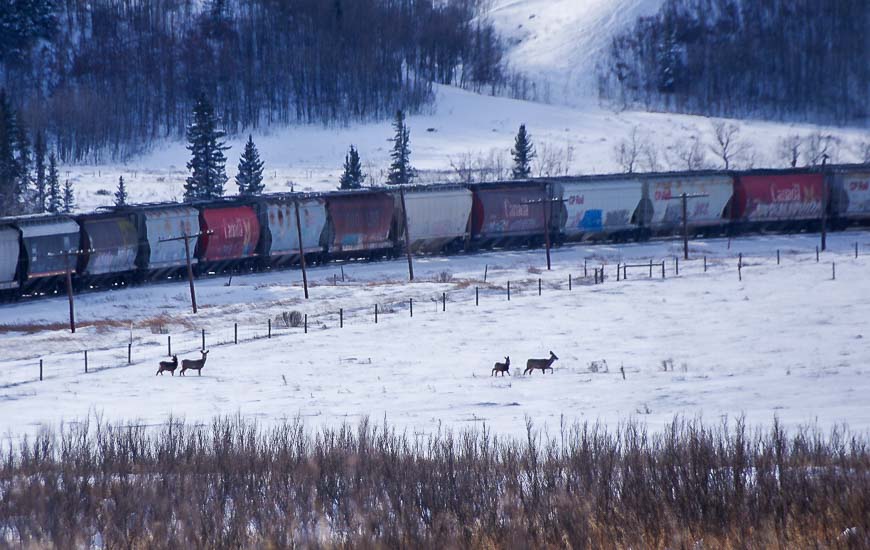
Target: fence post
[[625, 272], [777, 256], [443, 301], [40, 370], [340, 317], [705, 264], [650, 268], [617, 272], [203, 339], [663, 269], [269, 334], [86, 361], [833, 271], [485, 272], [477, 296], [740, 267], [676, 265], [169, 346], [539, 286], [585, 274], [235, 333], [817, 253], [856, 249], [569, 282], [509, 291], [376, 314], [411, 303], [129, 354], [306, 323], [342, 273]]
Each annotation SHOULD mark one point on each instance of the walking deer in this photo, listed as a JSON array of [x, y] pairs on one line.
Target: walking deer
[[502, 367], [194, 364], [542, 364], [168, 366]]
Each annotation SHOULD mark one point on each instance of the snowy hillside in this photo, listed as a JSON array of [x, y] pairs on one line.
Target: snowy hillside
[[558, 42], [786, 341]]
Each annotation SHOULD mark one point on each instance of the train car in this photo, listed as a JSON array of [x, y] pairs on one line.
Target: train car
[[509, 214], [281, 233], [777, 199], [230, 236], [162, 253], [597, 208], [706, 212], [850, 196], [50, 245], [361, 224], [110, 247], [438, 218], [10, 252]]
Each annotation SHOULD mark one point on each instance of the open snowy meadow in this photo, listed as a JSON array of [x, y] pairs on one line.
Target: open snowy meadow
[[788, 341]]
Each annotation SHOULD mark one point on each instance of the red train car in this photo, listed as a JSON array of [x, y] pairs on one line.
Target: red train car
[[360, 223], [508, 214], [776, 198], [230, 235]]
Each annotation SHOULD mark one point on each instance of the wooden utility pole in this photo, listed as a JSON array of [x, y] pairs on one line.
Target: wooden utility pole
[[407, 237], [68, 283], [824, 204], [684, 198], [301, 251], [546, 214], [186, 238]]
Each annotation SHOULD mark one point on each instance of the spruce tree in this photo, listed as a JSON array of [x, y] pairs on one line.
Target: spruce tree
[[401, 171], [53, 200], [69, 198], [208, 163], [24, 161], [8, 163], [523, 153], [250, 176], [39, 162], [353, 177], [121, 193]]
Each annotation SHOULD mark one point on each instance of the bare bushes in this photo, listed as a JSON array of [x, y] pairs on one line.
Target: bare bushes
[[232, 484]]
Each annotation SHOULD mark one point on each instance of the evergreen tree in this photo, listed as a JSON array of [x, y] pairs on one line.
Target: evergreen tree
[[250, 176], [53, 200], [353, 177], [208, 163], [39, 162], [121, 193], [523, 153], [69, 198], [8, 163], [24, 161], [401, 171]]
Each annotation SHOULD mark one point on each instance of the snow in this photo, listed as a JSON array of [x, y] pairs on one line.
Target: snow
[[462, 126], [787, 341]]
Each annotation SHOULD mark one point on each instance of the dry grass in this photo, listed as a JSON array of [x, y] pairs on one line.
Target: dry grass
[[230, 484]]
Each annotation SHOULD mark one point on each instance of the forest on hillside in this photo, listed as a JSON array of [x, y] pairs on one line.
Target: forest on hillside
[[105, 78], [798, 60]]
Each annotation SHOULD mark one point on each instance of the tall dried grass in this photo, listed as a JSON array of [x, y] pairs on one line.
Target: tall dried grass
[[233, 484]]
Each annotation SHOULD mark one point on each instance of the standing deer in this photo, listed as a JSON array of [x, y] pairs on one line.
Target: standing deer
[[502, 367], [168, 366], [194, 364], [542, 364]]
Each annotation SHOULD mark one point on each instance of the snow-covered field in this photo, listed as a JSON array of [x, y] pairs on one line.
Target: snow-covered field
[[786, 341]]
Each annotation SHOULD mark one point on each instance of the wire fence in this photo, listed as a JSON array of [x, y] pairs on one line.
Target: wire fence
[[464, 294]]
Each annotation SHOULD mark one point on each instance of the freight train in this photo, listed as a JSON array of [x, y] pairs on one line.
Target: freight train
[[140, 243]]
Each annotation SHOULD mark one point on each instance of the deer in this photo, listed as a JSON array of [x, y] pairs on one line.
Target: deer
[[168, 366], [194, 364], [542, 364], [502, 367]]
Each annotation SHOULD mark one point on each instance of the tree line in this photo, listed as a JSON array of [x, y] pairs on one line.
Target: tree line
[[105, 78], [803, 59]]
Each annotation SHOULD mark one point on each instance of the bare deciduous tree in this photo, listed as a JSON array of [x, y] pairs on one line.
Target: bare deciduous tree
[[689, 154], [627, 152], [554, 160], [862, 151], [817, 146], [727, 144], [789, 149]]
